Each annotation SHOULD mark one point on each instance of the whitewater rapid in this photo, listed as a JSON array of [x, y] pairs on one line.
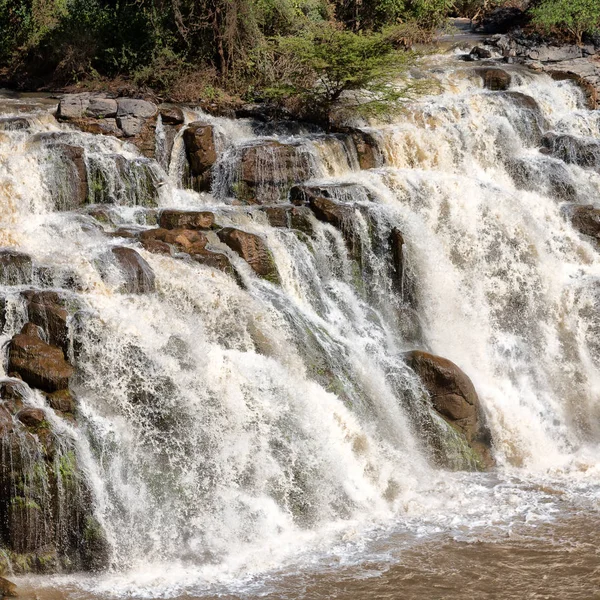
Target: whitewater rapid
[[237, 430]]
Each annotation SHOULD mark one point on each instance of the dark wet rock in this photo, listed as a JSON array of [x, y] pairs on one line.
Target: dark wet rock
[[339, 214], [171, 114], [543, 173], [32, 417], [495, 79], [269, 169], [39, 364], [13, 124], [62, 401], [187, 241], [586, 219], [16, 268], [45, 502], [584, 152], [396, 242], [68, 179], [589, 90], [289, 217], [139, 276], [186, 219], [453, 396], [114, 179], [479, 52], [529, 119], [253, 250], [365, 145], [128, 233], [46, 309], [201, 152]]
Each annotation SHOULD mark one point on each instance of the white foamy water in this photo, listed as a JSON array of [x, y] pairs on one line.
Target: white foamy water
[[235, 435]]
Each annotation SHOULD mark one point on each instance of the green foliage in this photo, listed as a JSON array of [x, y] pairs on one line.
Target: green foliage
[[576, 17], [329, 68]]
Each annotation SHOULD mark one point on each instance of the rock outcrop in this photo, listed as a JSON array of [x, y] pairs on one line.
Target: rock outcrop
[[16, 268], [578, 63], [253, 250], [586, 219], [495, 79], [39, 364], [137, 274], [185, 241], [454, 398], [268, 170], [201, 152], [129, 118]]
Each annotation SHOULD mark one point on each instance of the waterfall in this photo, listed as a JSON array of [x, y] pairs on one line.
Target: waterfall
[[229, 422]]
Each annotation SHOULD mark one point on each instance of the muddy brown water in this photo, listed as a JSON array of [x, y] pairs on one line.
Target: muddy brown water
[[558, 560]]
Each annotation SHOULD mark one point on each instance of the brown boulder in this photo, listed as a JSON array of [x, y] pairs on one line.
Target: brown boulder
[[171, 114], [31, 417], [201, 152], [139, 276], [253, 250], [584, 152], [495, 79], [586, 219], [39, 364], [289, 217], [188, 241], [62, 401], [367, 150], [46, 309], [453, 396], [186, 219], [269, 169]]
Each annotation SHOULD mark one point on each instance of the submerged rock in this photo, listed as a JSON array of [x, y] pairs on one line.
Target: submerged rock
[[253, 250], [453, 396], [584, 152], [495, 79], [269, 169], [16, 268]]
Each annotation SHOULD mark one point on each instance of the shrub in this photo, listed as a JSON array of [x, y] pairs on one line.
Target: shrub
[[327, 68], [576, 17]]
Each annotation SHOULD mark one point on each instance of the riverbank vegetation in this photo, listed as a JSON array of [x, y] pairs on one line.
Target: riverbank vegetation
[[311, 50]]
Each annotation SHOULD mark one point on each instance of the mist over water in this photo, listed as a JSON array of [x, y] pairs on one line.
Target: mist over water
[[244, 438]]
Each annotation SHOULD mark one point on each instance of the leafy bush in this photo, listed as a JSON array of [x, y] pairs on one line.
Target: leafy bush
[[575, 17], [326, 68]]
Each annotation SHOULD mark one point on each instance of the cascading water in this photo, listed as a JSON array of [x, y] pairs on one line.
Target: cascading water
[[233, 426]]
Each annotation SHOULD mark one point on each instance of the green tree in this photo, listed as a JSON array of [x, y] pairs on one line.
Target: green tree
[[328, 68], [576, 17]]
